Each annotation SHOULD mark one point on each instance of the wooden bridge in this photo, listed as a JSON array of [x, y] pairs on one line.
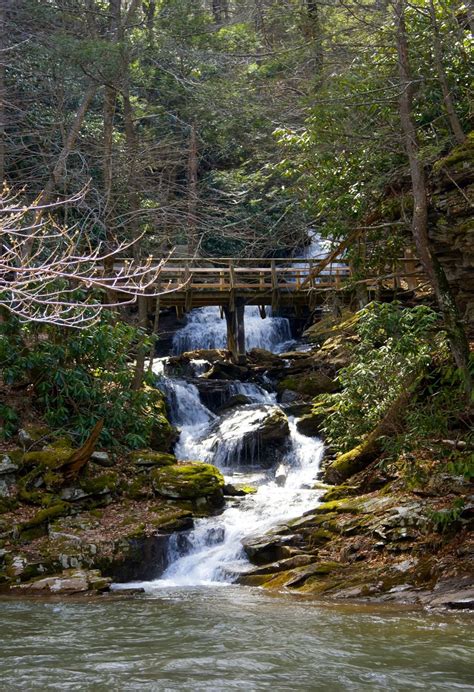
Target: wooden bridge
[[232, 283]]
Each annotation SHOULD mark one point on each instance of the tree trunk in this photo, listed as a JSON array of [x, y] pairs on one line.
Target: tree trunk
[[192, 191], [456, 333], [45, 196], [453, 119]]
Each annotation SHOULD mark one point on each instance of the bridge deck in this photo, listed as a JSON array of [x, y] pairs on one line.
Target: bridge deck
[[199, 282]]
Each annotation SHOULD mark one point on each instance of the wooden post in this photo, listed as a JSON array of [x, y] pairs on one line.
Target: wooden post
[[275, 292], [236, 331]]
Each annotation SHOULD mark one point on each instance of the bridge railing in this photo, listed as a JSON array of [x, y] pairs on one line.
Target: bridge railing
[[263, 274]]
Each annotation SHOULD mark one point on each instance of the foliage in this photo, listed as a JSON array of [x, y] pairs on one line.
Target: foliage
[[444, 519], [78, 377], [395, 346]]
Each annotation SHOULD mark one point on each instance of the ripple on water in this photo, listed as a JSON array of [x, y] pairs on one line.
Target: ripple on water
[[230, 638]]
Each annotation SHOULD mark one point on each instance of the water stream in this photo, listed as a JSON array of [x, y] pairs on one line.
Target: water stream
[[212, 553]]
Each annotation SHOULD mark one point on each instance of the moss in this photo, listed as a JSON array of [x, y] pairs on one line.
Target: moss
[[7, 504], [105, 483], [312, 384], [339, 492], [342, 506], [37, 431], [350, 463], [37, 525], [331, 326], [320, 536], [139, 488], [187, 481], [50, 457], [148, 457], [63, 442], [463, 153]]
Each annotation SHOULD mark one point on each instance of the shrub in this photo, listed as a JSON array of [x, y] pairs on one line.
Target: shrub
[[78, 377]]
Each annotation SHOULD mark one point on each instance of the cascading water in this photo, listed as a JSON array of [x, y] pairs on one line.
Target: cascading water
[[205, 329], [212, 552]]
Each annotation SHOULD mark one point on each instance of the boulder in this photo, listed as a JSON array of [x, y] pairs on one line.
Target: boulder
[[238, 490], [102, 459], [70, 581], [234, 401], [311, 384], [254, 436], [188, 481], [147, 458], [261, 550]]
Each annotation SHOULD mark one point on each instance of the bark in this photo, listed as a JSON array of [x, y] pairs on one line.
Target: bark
[[357, 459], [3, 48], [72, 467], [453, 119], [71, 139], [192, 191], [447, 305], [134, 210]]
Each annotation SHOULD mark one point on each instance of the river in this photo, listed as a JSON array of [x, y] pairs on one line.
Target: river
[[193, 628], [230, 638]]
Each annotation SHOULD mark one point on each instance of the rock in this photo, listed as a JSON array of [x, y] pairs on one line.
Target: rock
[[163, 435], [311, 384], [288, 396], [281, 475], [224, 370], [264, 549], [460, 599], [234, 401], [188, 481], [32, 436], [7, 467], [70, 581], [309, 425], [148, 459], [252, 436], [238, 490], [102, 459]]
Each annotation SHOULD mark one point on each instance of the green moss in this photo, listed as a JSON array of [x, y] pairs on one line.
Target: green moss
[[339, 492], [464, 153], [50, 457], [187, 481], [139, 488], [37, 525], [147, 457], [350, 463], [63, 442], [106, 482], [343, 506]]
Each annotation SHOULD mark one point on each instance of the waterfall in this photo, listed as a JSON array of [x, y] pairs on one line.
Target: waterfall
[[205, 329], [212, 552]]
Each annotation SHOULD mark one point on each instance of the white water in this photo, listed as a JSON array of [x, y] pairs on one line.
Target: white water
[[205, 329], [212, 552]]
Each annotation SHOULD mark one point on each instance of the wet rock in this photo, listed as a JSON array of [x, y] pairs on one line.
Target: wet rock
[[224, 370], [238, 490], [188, 481], [68, 582], [266, 549], [234, 401]]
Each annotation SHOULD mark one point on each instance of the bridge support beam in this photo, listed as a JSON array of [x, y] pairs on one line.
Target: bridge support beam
[[234, 316]]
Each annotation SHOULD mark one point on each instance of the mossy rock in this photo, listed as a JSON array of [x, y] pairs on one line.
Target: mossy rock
[[163, 435], [149, 458], [187, 481], [139, 488], [274, 426], [460, 157], [48, 458], [100, 485], [350, 463], [37, 525], [331, 326], [339, 492], [311, 384], [343, 506]]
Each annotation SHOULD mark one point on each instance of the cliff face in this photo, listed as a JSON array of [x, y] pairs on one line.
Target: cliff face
[[452, 223]]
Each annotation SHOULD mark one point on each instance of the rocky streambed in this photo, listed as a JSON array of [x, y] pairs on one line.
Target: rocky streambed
[[267, 516]]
